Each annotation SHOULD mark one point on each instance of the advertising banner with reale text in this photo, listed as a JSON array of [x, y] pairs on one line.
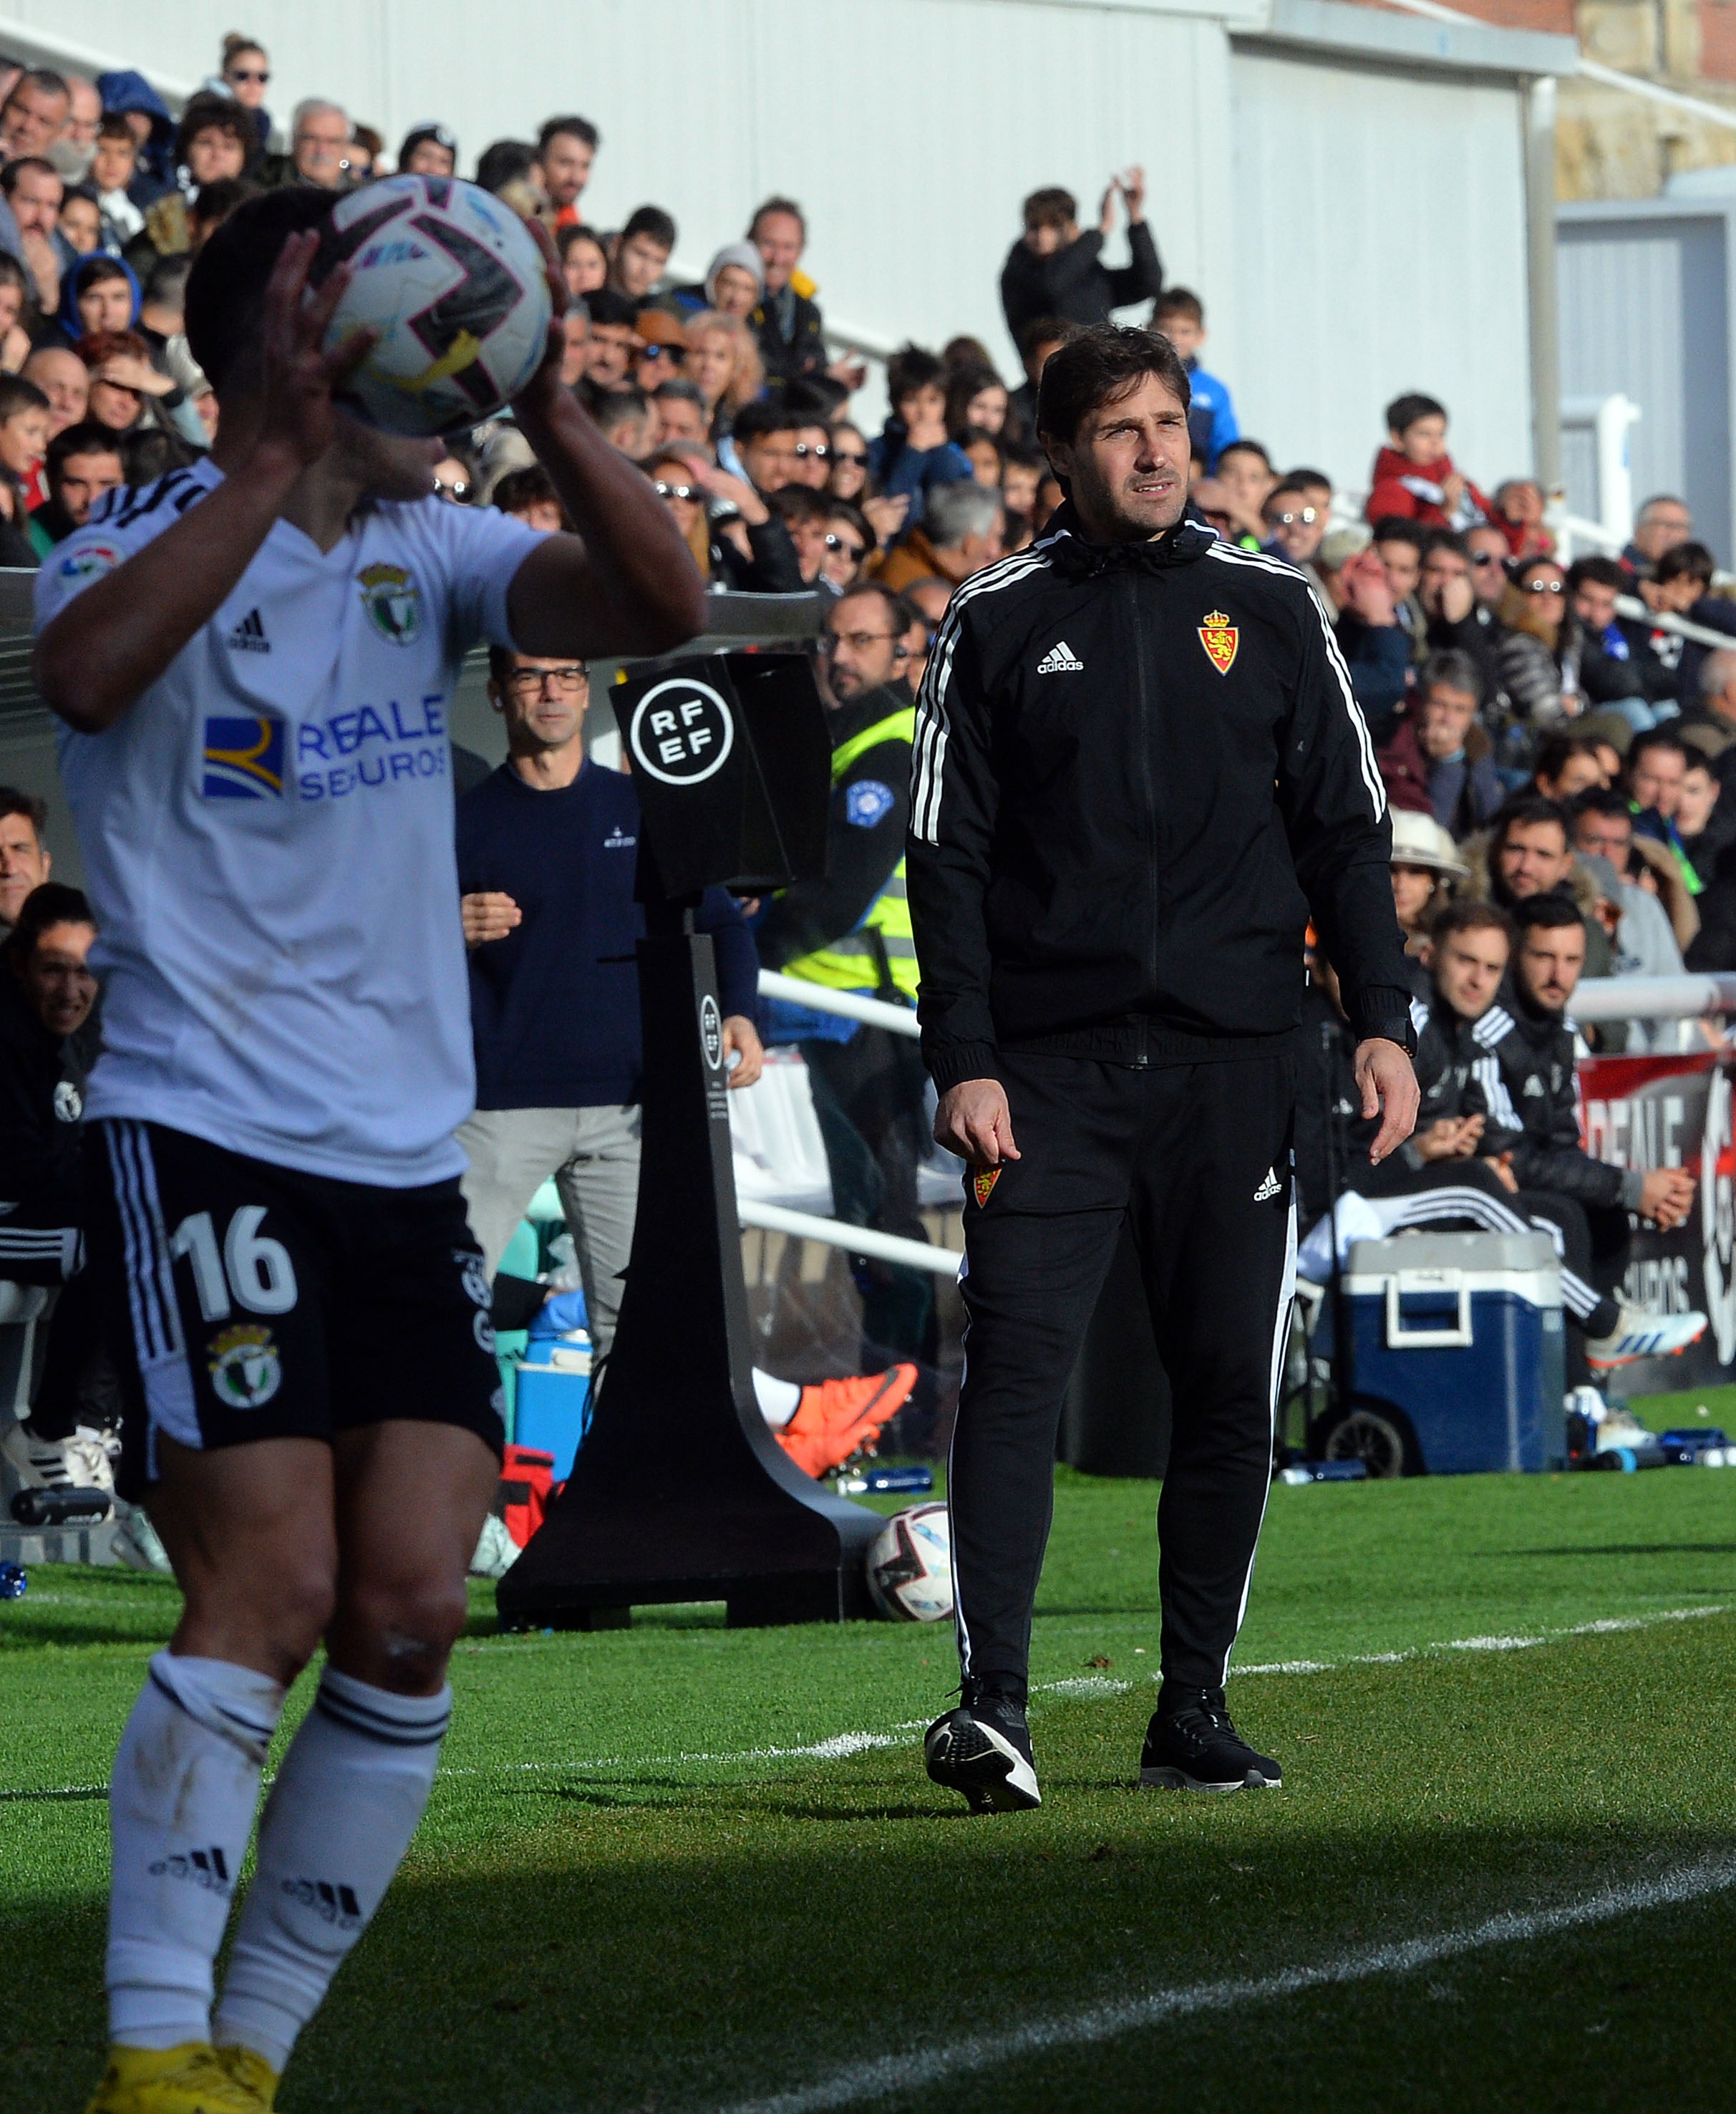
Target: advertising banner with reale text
[[1649, 1112]]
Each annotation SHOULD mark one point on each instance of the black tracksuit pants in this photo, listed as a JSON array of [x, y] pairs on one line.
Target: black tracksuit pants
[[1197, 1158]]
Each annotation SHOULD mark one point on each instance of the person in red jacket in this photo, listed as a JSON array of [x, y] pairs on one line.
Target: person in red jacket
[[1413, 474]]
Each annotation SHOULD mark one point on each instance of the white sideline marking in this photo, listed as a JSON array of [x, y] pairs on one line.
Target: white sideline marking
[[839, 1746], [916, 2068]]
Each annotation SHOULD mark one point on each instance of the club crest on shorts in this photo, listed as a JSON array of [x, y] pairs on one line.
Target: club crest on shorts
[[246, 1369], [983, 1180], [1221, 638], [393, 602]]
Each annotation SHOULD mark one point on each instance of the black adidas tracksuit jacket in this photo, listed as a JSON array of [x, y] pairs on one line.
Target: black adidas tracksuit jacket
[[1137, 770]]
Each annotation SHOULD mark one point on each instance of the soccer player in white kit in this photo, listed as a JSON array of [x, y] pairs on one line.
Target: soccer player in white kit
[[255, 659]]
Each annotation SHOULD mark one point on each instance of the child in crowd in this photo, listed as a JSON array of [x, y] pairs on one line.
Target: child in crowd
[[1211, 424], [24, 441], [913, 452], [1245, 471], [1413, 474]]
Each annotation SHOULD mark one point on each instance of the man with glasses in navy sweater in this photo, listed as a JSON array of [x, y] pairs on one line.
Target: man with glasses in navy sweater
[[547, 850]]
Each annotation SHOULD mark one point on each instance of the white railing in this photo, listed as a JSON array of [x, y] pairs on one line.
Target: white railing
[[875, 1012], [859, 1240], [1653, 998]]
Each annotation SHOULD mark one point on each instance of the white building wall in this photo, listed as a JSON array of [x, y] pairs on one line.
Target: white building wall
[[1378, 246]]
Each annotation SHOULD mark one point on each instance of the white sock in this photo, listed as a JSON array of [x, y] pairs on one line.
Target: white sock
[[778, 1400], [181, 1806], [338, 1823]]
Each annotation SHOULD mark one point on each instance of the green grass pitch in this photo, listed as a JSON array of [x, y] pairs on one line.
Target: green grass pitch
[[683, 1868]]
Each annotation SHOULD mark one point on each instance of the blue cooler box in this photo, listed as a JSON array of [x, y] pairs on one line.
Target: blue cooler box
[[553, 1413], [1462, 1333]]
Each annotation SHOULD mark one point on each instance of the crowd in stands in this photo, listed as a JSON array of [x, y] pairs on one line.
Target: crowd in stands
[[1546, 738]]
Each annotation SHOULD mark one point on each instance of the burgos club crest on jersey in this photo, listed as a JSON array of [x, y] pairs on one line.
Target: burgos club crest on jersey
[[244, 1367], [1220, 637], [393, 602], [244, 758]]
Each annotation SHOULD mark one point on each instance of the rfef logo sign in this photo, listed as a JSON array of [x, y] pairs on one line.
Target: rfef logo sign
[[681, 731]]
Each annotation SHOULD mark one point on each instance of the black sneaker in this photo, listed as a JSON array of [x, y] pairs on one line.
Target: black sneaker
[[984, 1749], [1192, 1746]]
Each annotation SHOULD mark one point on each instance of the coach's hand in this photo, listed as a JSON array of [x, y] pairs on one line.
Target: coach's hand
[[487, 916], [1387, 1080], [975, 1121]]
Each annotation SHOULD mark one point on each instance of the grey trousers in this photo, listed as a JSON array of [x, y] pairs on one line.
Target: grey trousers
[[593, 1155]]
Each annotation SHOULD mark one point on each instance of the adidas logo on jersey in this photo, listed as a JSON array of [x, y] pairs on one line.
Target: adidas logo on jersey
[[1060, 660], [248, 635], [618, 841], [1268, 1188]]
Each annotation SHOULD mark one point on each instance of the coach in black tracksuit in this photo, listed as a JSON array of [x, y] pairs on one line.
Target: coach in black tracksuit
[[1138, 768]]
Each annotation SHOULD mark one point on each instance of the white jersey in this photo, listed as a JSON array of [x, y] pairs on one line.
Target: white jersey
[[268, 839]]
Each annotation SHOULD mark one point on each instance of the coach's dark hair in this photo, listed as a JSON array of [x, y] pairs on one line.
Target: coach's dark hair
[[50, 903], [1099, 366], [1549, 911], [1601, 800], [1397, 528], [1461, 915], [1657, 737], [1604, 572], [226, 289], [90, 436]]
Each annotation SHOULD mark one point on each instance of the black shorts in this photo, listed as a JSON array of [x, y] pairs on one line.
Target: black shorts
[[245, 1300]]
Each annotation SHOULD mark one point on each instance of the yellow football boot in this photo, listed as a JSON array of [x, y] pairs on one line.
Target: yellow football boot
[[187, 2080], [252, 2069]]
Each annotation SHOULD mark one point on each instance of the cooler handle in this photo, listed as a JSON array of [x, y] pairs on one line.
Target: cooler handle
[[1398, 1338]]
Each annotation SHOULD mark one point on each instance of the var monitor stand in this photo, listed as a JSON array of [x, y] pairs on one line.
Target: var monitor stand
[[680, 1492]]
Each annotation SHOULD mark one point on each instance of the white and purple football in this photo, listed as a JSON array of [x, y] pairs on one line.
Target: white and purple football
[[909, 1566], [452, 281]]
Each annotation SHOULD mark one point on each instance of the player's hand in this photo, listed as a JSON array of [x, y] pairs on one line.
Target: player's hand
[[975, 1121], [1132, 190], [545, 387], [1667, 1196], [300, 377], [739, 1034], [1501, 1166], [487, 916], [127, 371], [1387, 1080]]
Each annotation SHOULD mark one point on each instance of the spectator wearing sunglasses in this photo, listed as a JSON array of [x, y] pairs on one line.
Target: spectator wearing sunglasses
[[428, 150], [849, 480], [664, 348], [736, 540], [912, 455], [455, 478], [245, 74], [1532, 612]]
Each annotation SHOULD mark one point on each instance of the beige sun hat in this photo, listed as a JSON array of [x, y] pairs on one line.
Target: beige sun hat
[[1418, 840]]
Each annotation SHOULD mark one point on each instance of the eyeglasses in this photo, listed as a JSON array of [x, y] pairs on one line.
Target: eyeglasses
[[1487, 558], [679, 490], [859, 456], [457, 489], [858, 642], [1307, 517], [843, 543], [818, 449], [249, 73], [527, 680], [1545, 587]]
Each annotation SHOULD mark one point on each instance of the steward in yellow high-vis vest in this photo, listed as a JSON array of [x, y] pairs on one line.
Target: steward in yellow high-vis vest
[[851, 931]]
